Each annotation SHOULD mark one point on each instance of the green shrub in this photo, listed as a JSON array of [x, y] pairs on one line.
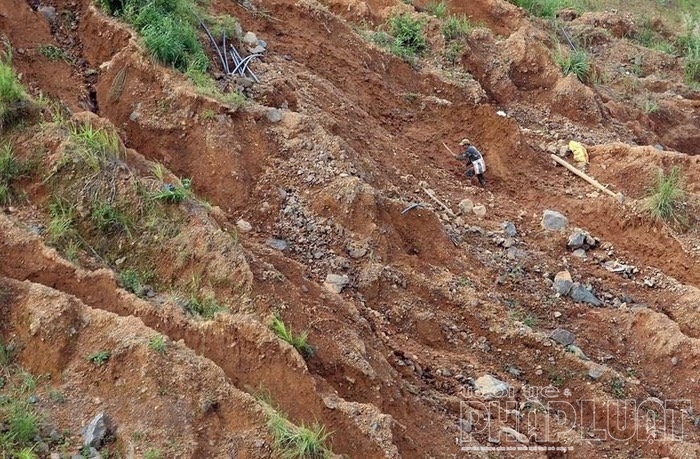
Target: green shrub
[[543, 8], [14, 101], [409, 37], [299, 342], [206, 307], [53, 53], [576, 62], [97, 146], [109, 219], [61, 226], [10, 169], [455, 27], [437, 8], [99, 358], [666, 197], [298, 442], [157, 343], [174, 193]]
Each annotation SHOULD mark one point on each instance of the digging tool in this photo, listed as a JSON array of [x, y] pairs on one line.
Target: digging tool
[[619, 196], [448, 148]]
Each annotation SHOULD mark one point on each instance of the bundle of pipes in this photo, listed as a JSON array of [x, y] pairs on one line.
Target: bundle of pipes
[[240, 64]]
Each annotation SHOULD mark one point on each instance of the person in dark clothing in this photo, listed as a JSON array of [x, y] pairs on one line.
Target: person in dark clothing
[[476, 165]]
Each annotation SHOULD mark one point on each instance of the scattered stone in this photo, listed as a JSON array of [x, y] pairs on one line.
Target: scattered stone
[[258, 49], [674, 360], [120, 261], [274, 115], [250, 38], [562, 336], [520, 438], [557, 314], [576, 240], [49, 12], [579, 253], [581, 294], [563, 282], [277, 244], [596, 372], [489, 386], [554, 221], [479, 210], [515, 371], [334, 283], [356, 250], [243, 226], [577, 351], [96, 431], [509, 229], [32, 399], [466, 206]]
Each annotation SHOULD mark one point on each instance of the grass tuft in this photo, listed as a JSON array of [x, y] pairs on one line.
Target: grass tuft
[[455, 27], [409, 36], [666, 197], [10, 170], [157, 343], [298, 442], [14, 101], [437, 8], [576, 62], [99, 358], [206, 307], [543, 8], [174, 193], [285, 333]]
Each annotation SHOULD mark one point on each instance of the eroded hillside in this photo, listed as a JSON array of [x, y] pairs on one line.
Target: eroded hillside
[[155, 232]]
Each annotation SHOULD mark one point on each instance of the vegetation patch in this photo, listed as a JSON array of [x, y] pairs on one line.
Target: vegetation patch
[[11, 169], [576, 62], [666, 197], [298, 442], [544, 8], [409, 36], [298, 341], [455, 27], [15, 103]]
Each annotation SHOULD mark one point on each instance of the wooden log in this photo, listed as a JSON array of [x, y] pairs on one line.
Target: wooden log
[[442, 204], [619, 196]]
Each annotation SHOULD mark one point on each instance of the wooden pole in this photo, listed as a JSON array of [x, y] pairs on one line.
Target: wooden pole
[[434, 198], [619, 196]]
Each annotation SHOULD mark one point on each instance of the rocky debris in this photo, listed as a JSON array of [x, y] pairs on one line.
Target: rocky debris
[[274, 115], [479, 210], [277, 244], [579, 253], [509, 229], [554, 221], [49, 12], [577, 351], [466, 206], [581, 294], [243, 226], [489, 386], [335, 283], [563, 282], [95, 432], [580, 239], [620, 268], [596, 372], [520, 438], [562, 336], [356, 250]]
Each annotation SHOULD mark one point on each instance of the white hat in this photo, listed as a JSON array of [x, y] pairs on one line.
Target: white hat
[[465, 142]]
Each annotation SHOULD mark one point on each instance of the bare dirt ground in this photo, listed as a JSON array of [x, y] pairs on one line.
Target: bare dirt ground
[[435, 299]]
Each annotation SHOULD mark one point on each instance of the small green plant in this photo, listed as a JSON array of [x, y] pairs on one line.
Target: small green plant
[[25, 453], [157, 343], [409, 37], [557, 379], [437, 8], [23, 423], [666, 197], [576, 62], [381, 38], [131, 281], [99, 358], [206, 307], [152, 453], [454, 52], [298, 442], [285, 333], [61, 226], [96, 146], [174, 193], [54, 53], [14, 101], [218, 25], [10, 170], [109, 219], [543, 8], [5, 355], [617, 386], [455, 27], [650, 106], [530, 320], [208, 114]]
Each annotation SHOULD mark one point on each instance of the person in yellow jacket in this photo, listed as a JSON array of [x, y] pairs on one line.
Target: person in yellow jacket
[[476, 165]]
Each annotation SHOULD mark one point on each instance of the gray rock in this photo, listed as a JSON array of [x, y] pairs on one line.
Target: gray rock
[[335, 283], [674, 360], [250, 39], [257, 49], [49, 12], [576, 240], [274, 115], [520, 438], [489, 386], [466, 206], [596, 372], [96, 431], [243, 226], [577, 351], [579, 253], [562, 336], [563, 282], [509, 229], [581, 294], [479, 210], [553, 220], [277, 244]]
